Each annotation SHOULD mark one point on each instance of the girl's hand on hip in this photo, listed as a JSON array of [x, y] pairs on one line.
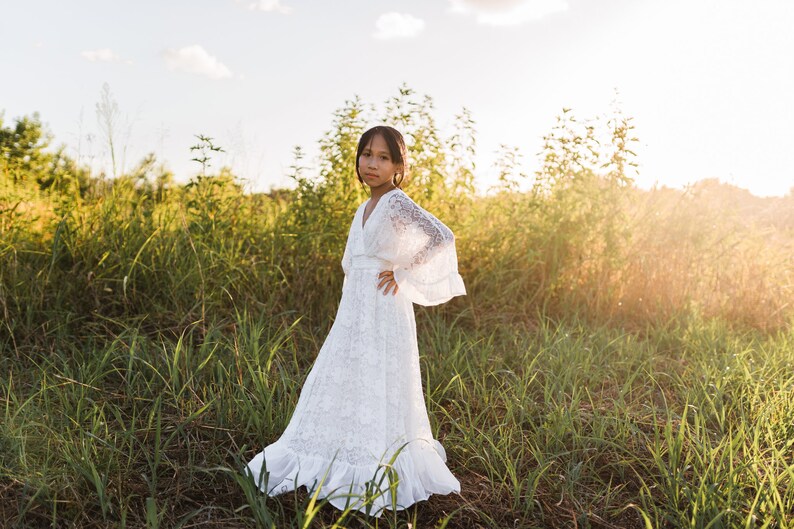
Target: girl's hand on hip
[[387, 278]]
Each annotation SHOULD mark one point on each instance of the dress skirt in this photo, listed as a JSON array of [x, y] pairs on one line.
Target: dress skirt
[[360, 429]]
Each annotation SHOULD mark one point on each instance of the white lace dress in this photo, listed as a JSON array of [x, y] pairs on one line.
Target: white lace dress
[[362, 401]]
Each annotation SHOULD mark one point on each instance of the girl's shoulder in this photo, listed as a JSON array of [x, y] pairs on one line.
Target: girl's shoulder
[[397, 195], [392, 196], [399, 203], [403, 205]]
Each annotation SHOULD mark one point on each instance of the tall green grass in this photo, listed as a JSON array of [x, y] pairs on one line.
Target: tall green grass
[[582, 241], [566, 425]]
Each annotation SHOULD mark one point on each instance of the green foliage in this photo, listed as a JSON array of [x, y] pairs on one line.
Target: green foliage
[[109, 120], [24, 160], [559, 243], [581, 186], [687, 426], [578, 242], [205, 149], [427, 155], [22, 150], [462, 150]]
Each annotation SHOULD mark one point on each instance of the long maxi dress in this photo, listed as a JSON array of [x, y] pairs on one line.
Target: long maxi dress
[[362, 401]]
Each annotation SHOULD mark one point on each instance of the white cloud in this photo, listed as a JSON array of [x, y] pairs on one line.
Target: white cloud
[[101, 55], [508, 12], [396, 25], [195, 59], [269, 6]]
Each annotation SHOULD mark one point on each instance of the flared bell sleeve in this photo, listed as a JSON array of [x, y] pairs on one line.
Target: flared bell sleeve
[[423, 251]]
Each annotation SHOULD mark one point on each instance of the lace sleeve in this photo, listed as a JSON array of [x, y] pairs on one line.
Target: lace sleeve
[[347, 259], [426, 264]]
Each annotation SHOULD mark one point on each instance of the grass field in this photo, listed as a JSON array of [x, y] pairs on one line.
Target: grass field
[[623, 358], [559, 425]]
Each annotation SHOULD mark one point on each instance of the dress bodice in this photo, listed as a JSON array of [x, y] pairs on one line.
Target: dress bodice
[[412, 242]]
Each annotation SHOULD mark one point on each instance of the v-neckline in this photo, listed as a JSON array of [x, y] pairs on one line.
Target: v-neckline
[[374, 209]]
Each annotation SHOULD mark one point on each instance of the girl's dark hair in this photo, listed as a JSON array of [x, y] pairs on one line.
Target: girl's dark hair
[[397, 150]]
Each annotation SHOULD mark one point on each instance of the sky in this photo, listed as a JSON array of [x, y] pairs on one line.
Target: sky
[[709, 84]]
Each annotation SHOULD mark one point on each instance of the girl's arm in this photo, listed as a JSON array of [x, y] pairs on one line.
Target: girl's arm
[[423, 250], [347, 257]]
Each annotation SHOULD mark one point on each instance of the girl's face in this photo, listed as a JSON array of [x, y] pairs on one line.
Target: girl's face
[[376, 165]]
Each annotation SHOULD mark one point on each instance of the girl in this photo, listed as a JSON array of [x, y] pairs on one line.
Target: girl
[[362, 403]]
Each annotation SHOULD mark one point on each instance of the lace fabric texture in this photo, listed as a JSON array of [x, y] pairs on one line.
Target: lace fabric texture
[[362, 403], [421, 248]]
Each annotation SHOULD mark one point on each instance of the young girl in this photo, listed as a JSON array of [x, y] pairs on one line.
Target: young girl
[[362, 401]]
